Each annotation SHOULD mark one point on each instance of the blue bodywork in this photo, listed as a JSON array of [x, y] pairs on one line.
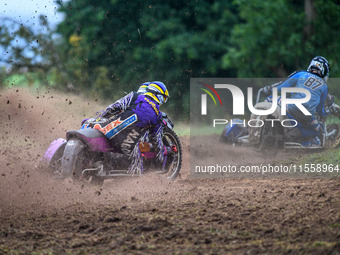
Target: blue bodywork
[[233, 130]]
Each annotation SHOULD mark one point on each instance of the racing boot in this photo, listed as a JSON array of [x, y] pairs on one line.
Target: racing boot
[[312, 142]]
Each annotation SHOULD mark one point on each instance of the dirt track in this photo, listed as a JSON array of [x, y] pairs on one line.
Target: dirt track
[[147, 215]]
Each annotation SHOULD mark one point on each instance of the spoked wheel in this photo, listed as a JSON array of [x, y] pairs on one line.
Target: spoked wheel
[[78, 163], [333, 140], [173, 162], [270, 139]]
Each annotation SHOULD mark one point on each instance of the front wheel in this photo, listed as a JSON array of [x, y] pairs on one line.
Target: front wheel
[[173, 161], [333, 140]]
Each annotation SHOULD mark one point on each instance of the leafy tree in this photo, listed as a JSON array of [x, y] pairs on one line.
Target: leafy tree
[[142, 41], [278, 37], [109, 47], [25, 50]]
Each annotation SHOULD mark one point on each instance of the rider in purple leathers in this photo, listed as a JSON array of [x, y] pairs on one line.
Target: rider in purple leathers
[[134, 118]]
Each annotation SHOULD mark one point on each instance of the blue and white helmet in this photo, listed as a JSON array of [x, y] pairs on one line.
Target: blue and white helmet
[[319, 64], [142, 88], [157, 91]]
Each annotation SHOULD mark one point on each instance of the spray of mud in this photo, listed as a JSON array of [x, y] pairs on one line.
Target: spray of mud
[[30, 121], [148, 214]]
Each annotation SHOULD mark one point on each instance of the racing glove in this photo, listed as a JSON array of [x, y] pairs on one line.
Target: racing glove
[[83, 121], [267, 90], [332, 109], [110, 111], [330, 106]]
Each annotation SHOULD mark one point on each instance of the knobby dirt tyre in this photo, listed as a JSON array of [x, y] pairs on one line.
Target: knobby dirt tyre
[[334, 140], [78, 157], [174, 161]]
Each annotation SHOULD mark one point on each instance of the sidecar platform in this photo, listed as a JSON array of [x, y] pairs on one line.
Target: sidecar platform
[[292, 145]]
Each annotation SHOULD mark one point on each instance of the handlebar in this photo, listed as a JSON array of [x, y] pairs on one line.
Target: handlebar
[[337, 113]]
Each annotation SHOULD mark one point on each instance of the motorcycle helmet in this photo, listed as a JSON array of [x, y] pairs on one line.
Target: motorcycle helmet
[[142, 88], [158, 92], [320, 66]]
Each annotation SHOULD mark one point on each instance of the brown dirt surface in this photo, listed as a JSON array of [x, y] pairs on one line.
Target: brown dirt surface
[[146, 215]]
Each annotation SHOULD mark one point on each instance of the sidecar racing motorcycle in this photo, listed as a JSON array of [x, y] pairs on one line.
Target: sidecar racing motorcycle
[[269, 135], [87, 155]]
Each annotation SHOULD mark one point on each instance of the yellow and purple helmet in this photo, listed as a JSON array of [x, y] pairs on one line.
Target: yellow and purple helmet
[[142, 88], [158, 92]]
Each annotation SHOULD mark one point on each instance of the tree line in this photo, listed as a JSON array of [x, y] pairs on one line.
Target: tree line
[[109, 47]]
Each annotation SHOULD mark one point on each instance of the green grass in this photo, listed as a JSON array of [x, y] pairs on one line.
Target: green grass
[[318, 164], [21, 80], [332, 120], [206, 130], [331, 156], [182, 129], [29, 79]]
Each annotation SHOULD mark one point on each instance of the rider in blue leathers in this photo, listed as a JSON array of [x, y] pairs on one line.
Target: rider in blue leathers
[[315, 81]]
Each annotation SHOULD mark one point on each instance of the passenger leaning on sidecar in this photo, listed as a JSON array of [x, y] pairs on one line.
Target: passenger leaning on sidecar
[[314, 80], [135, 117]]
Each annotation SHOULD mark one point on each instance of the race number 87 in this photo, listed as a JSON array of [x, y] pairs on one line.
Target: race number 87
[[312, 83]]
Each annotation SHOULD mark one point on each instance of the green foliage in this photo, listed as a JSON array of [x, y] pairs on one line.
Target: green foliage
[[143, 41], [30, 53], [109, 47], [271, 41]]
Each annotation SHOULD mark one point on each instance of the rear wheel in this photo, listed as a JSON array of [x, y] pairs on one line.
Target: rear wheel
[[78, 162], [54, 166], [173, 162], [271, 138]]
